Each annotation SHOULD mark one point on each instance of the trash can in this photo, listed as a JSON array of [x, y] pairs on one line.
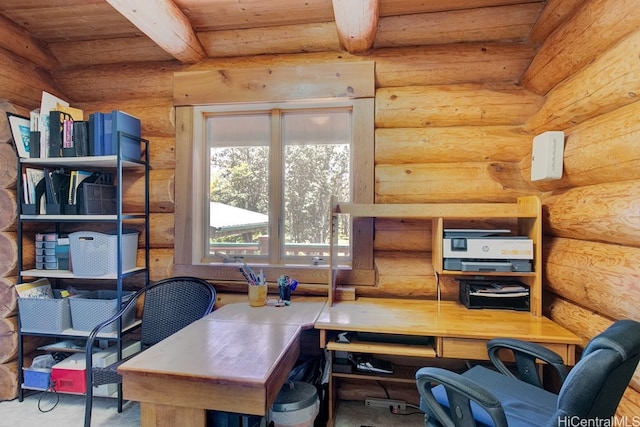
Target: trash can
[[296, 405]]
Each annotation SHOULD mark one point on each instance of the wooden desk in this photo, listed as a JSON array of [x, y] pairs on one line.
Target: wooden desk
[[236, 360], [456, 332], [302, 312]]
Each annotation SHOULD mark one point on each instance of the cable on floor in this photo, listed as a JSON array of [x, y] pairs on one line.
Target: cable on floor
[[52, 388]]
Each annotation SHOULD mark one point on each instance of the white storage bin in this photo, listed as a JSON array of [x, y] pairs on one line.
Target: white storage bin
[[94, 307], [44, 315], [96, 254]]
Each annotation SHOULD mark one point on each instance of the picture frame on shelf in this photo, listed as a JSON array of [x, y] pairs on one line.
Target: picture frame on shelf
[[20, 133]]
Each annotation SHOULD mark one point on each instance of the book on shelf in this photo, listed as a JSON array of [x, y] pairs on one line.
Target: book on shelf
[[40, 288], [77, 176], [32, 177], [117, 124], [48, 103]]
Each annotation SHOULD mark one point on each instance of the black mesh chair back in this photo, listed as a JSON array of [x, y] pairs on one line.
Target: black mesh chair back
[[169, 305], [172, 304]]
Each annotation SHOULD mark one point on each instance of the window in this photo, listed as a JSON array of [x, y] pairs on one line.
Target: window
[[241, 147], [271, 171]]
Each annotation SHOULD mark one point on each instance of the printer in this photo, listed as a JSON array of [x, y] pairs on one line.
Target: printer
[[486, 251]]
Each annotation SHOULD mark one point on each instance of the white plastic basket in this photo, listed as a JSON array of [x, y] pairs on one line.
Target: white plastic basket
[[96, 254], [91, 308]]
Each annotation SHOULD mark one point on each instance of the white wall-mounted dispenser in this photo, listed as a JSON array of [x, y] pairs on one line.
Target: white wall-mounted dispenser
[[546, 156]]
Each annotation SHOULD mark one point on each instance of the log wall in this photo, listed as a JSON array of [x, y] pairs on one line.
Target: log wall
[[454, 123], [592, 215]]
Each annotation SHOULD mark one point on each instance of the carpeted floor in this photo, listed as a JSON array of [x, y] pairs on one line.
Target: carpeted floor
[[356, 414], [69, 412]]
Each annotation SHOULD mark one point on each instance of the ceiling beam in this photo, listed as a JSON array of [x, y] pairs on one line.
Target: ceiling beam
[[164, 23], [357, 23]]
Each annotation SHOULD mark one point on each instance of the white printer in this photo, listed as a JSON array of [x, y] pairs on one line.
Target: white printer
[[486, 250]]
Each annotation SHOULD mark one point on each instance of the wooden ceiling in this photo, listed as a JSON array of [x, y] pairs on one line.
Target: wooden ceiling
[[76, 33]]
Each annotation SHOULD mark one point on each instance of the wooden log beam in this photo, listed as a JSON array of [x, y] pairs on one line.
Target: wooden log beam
[[501, 23], [164, 23], [20, 41], [8, 210], [115, 83], [600, 150], [120, 50], [161, 192], [8, 338], [449, 183], [8, 166], [156, 114], [629, 406], [406, 274], [583, 322], [352, 80], [609, 82], [603, 213], [601, 277], [8, 298], [9, 381], [357, 22], [402, 235], [248, 42], [451, 144], [554, 14], [455, 105], [8, 253], [597, 25], [440, 64], [5, 128], [22, 81], [162, 152]]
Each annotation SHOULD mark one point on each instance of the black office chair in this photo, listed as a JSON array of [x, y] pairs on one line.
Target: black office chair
[[485, 397], [169, 305]]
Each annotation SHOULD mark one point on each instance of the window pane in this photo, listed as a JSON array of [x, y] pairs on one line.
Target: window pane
[[238, 185], [316, 165]]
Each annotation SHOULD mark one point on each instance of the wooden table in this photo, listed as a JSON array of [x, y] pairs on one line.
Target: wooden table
[[235, 360], [455, 332]]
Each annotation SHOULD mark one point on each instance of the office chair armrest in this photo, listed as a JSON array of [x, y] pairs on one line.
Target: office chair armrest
[[461, 391], [525, 354]]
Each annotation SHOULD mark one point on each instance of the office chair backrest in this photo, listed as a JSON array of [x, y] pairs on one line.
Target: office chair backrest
[[171, 304], [594, 386]]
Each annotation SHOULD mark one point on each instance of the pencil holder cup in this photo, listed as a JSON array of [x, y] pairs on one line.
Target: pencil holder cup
[[257, 295]]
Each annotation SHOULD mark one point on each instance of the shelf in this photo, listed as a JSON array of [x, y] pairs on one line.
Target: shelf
[[437, 210], [80, 218], [487, 273], [119, 166], [73, 333], [66, 274], [401, 374], [112, 396], [526, 210], [395, 349], [84, 162]]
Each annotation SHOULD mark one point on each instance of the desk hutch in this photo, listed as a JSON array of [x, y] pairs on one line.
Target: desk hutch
[[451, 330]]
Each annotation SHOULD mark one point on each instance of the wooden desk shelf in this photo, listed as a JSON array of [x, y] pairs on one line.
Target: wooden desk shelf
[[527, 211], [401, 374], [454, 331], [395, 349]]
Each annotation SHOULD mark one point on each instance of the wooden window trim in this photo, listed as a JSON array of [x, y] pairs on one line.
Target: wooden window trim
[[352, 80]]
